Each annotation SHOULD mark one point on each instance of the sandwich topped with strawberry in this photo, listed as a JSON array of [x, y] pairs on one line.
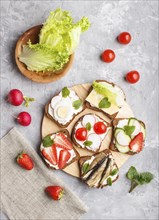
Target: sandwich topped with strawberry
[[57, 150], [128, 135]]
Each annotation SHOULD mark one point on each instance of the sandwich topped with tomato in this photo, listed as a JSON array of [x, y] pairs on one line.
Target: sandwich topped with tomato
[[89, 132]]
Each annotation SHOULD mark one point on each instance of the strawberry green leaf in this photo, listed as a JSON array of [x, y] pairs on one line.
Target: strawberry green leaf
[[77, 104], [129, 129], [85, 168], [47, 141], [65, 92], [88, 126], [88, 143], [109, 181], [104, 103]]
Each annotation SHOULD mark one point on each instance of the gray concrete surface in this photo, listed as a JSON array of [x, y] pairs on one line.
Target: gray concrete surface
[[108, 19]]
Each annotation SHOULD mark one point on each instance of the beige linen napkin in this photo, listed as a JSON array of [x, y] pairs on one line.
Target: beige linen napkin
[[22, 192]]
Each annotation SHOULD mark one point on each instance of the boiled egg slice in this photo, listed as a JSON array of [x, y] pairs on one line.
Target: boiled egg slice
[[63, 111]]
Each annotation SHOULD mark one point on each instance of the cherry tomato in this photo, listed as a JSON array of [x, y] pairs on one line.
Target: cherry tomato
[[81, 134], [133, 76], [124, 38], [108, 56], [100, 127]]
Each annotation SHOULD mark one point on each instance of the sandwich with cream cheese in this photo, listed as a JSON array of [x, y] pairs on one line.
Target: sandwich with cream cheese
[[64, 107], [99, 170]]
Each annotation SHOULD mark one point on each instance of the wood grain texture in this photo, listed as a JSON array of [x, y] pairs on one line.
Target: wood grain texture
[[48, 126], [41, 77]]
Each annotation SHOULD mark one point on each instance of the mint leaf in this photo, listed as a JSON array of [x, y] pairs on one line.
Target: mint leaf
[[85, 168], [104, 103], [88, 126], [77, 104], [145, 177], [132, 173], [65, 92], [109, 181], [88, 143], [114, 172], [129, 129], [47, 141], [138, 178], [27, 100]]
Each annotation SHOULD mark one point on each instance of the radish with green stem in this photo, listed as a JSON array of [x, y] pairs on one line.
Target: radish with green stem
[[15, 97]]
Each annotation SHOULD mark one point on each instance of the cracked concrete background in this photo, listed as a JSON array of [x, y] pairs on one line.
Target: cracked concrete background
[[108, 19]]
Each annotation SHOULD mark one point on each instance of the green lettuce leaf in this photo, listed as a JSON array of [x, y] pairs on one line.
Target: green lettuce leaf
[[58, 39]]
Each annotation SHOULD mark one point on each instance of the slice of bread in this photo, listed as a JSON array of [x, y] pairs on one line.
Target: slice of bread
[[48, 108], [80, 143], [113, 141], [96, 170], [58, 149], [96, 108]]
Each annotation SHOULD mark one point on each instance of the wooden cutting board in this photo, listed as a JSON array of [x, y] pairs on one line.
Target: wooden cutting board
[[48, 126]]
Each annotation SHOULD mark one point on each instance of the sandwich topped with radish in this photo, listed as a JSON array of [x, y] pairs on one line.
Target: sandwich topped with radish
[[128, 135], [89, 132]]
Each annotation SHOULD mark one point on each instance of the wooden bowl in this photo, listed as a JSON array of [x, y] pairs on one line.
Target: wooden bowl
[[40, 77]]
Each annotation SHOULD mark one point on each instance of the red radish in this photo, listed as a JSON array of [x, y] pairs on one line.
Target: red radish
[[24, 118], [55, 192], [15, 97]]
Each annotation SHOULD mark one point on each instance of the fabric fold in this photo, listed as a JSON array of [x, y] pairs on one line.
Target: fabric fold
[[22, 192]]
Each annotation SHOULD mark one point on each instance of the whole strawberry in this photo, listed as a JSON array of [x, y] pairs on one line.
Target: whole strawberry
[[55, 192], [25, 161]]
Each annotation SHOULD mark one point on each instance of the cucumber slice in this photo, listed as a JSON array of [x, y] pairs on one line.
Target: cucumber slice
[[117, 130], [122, 149], [122, 138], [143, 130], [136, 123]]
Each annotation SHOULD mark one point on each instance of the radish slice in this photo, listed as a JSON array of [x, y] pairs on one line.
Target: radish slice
[[136, 123], [122, 123], [96, 141], [55, 100], [88, 118], [122, 138]]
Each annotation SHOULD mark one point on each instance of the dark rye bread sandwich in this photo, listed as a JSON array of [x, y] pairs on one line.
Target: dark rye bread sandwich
[[57, 150], [128, 135], [63, 107], [106, 97], [89, 132], [99, 170]]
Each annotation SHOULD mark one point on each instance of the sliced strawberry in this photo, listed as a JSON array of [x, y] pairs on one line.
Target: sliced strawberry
[[50, 154], [136, 143], [64, 157], [61, 141]]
